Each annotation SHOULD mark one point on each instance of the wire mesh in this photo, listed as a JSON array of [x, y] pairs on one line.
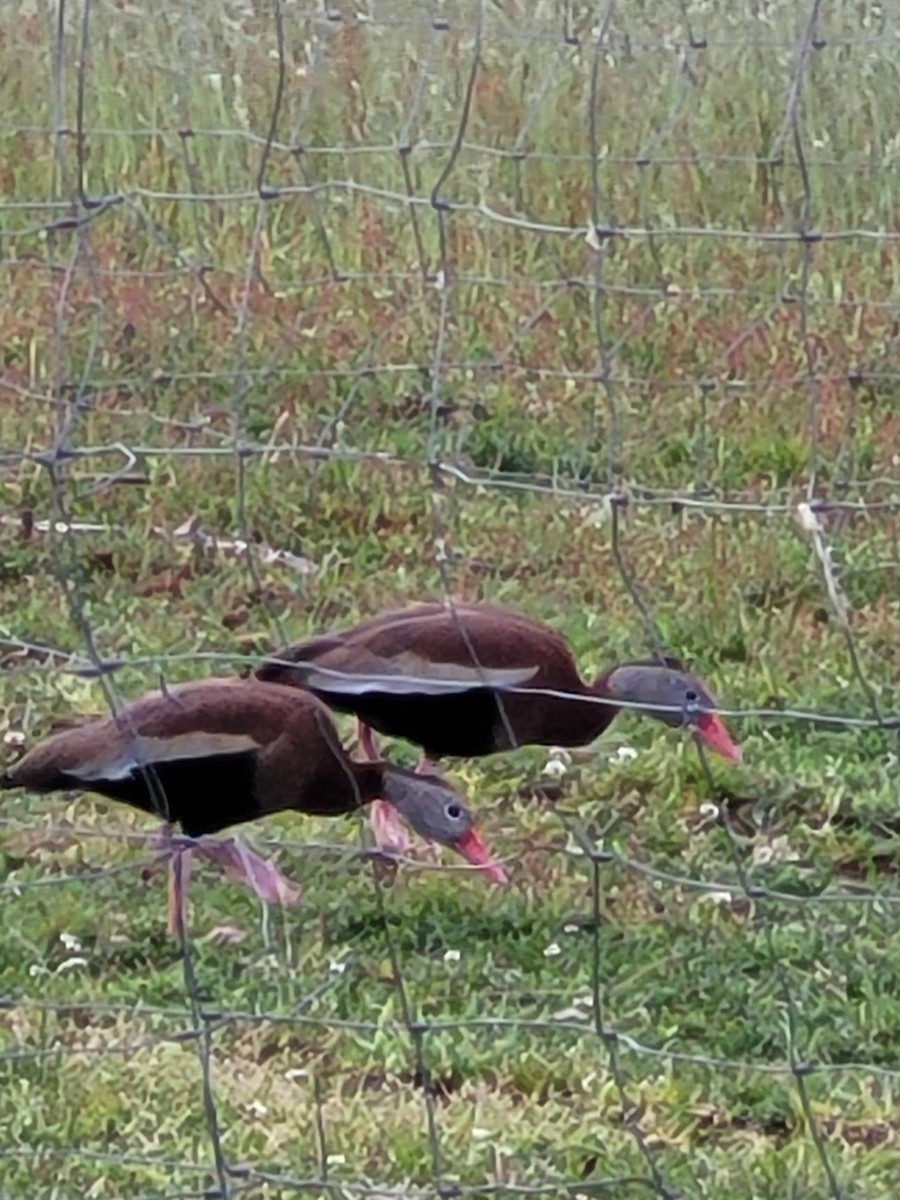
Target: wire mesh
[[589, 309]]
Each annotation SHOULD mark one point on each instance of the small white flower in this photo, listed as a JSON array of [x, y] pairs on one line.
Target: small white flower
[[558, 763], [70, 941], [451, 956], [336, 967], [552, 950], [14, 737], [595, 515], [715, 898], [256, 1109], [624, 754], [777, 850], [336, 1160], [570, 928]]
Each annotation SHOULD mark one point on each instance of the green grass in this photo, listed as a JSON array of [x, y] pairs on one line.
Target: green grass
[[629, 912]]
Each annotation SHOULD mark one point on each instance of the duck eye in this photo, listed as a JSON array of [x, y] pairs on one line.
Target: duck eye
[[454, 812], [691, 697]]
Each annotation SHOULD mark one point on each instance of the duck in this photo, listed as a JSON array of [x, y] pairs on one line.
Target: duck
[[210, 755], [470, 679]]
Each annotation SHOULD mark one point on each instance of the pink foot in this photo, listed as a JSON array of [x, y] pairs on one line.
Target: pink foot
[[238, 862], [244, 865], [390, 836]]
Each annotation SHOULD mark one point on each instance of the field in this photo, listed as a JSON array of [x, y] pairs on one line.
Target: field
[[591, 311]]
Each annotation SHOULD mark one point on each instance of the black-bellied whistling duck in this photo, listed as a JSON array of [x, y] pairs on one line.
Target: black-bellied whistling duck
[[434, 674], [213, 754]]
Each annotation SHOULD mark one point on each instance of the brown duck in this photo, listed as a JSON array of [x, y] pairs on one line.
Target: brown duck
[[474, 679], [211, 755]]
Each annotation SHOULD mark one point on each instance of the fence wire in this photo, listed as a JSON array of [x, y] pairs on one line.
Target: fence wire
[[283, 279]]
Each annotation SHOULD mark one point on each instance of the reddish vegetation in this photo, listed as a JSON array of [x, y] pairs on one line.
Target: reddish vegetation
[[664, 347]]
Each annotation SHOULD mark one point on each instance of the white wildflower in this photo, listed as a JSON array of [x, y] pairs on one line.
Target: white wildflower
[[624, 754]]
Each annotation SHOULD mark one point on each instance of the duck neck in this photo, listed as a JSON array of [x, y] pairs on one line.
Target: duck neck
[[368, 781], [402, 789], [598, 716], [578, 719]]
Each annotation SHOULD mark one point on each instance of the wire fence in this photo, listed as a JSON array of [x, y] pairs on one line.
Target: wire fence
[[575, 307]]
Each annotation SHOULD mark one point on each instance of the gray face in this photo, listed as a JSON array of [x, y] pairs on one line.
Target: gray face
[[430, 806], [645, 684]]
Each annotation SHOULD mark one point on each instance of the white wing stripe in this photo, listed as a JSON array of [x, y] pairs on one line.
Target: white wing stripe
[[129, 754]]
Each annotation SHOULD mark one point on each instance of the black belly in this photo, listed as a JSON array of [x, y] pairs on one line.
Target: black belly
[[203, 796], [453, 726]]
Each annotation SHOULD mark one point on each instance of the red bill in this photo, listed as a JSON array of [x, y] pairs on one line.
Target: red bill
[[712, 732], [474, 851]]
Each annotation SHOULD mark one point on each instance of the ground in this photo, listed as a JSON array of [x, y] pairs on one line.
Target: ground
[[689, 986]]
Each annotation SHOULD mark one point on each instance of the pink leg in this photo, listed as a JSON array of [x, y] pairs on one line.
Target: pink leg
[[238, 862], [179, 878], [366, 739], [178, 859], [389, 834]]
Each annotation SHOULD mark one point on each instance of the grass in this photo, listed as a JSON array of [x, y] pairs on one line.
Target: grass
[[717, 952]]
